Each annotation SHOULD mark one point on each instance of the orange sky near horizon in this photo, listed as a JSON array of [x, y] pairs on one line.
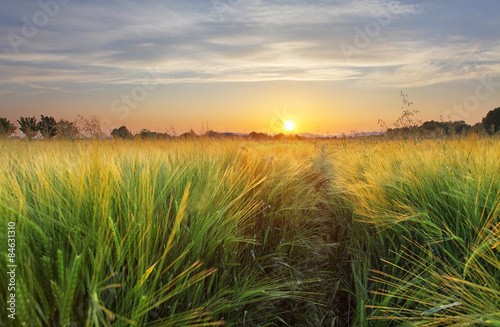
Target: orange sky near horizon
[[315, 107], [331, 67]]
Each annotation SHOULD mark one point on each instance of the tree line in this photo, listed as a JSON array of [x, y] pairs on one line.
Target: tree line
[[49, 128], [82, 127], [490, 124]]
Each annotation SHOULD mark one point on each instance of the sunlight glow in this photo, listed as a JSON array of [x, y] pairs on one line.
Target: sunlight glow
[[289, 126]]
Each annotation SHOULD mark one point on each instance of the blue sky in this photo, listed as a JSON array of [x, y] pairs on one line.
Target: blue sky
[[240, 64]]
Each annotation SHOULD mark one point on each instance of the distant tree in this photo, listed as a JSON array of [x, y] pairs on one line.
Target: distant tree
[[461, 127], [90, 126], [259, 136], [28, 126], [47, 127], [67, 130], [188, 135], [122, 133], [211, 134], [279, 136], [431, 125], [162, 136], [146, 134], [253, 135], [478, 129], [444, 128], [6, 128], [491, 121]]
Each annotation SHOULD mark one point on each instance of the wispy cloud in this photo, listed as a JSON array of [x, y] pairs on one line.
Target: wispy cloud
[[116, 42]]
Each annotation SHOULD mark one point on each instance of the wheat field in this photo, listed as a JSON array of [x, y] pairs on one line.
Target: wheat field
[[362, 232]]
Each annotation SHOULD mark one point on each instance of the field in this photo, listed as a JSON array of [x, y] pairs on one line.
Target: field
[[239, 233]]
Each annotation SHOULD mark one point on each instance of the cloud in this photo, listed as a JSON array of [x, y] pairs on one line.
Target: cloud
[[423, 64], [116, 42]]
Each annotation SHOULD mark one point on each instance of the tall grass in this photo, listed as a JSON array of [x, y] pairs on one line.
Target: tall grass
[[203, 233], [167, 233], [425, 231]]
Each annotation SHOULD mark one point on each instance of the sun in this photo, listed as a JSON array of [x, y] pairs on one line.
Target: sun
[[289, 126]]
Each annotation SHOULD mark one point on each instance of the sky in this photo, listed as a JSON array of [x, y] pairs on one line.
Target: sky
[[331, 67]]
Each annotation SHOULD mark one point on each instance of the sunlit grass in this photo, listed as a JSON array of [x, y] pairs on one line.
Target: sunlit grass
[[169, 233], [426, 214], [211, 232]]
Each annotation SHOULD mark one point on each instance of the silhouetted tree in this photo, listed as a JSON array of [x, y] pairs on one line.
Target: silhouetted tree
[[6, 127], [28, 126], [258, 136], [491, 121], [146, 134], [90, 126], [461, 127], [211, 134], [122, 133], [444, 128], [188, 135], [67, 130], [47, 127], [162, 136], [478, 129], [279, 136]]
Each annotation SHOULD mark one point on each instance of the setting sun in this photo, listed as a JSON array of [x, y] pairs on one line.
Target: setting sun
[[289, 126]]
